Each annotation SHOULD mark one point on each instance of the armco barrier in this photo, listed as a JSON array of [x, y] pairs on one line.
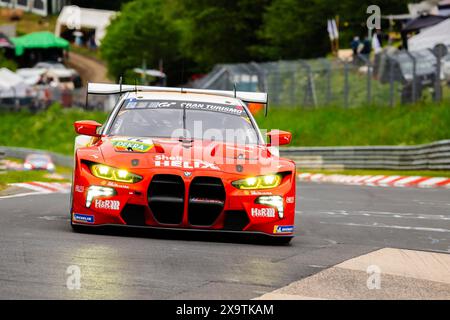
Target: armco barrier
[[2, 164], [433, 156], [21, 153]]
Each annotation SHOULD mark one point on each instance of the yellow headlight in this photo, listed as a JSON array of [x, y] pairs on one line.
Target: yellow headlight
[[260, 182], [110, 173]]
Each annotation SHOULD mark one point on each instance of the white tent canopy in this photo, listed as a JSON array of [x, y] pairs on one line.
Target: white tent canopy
[[76, 18], [431, 36], [12, 85]]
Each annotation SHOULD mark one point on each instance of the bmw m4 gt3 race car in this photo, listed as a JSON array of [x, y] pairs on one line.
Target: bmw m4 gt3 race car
[[182, 159]]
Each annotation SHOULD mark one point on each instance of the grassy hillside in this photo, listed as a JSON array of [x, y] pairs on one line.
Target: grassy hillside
[[51, 130], [402, 125]]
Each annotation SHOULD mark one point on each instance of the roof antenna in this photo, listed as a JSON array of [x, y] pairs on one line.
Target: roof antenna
[[135, 85], [120, 85], [234, 87], [266, 109]]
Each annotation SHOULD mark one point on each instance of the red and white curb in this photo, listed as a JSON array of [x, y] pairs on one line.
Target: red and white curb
[[44, 187], [378, 181]]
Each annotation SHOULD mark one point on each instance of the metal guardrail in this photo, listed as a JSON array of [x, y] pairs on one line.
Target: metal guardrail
[[21, 153], [2, 163], [433, 156]]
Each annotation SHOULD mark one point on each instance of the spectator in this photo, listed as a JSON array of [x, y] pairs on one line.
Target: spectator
[[366, 48], [355, 44]]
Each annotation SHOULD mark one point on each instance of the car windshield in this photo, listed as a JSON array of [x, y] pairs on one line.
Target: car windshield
[[203, 121]]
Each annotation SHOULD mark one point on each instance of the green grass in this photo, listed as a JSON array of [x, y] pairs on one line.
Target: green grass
[[50, 130], [407, 125], [93, 54], [25, 176], [381, 172], [31, 23], [401, 125]]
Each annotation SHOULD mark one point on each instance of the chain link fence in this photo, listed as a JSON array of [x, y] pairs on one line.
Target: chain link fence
[[41, 97], [390, 78]]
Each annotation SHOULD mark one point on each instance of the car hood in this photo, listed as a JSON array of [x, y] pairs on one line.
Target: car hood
[[146, 153]]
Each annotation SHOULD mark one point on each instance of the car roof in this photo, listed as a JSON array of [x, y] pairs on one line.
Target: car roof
[[178, 96]]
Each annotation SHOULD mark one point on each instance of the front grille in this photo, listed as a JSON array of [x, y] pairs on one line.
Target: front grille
[[133, 215], [166, 198], [206, 200], [235, 220]]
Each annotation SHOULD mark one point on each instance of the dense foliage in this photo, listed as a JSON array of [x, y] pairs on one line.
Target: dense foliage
[[192, 35]]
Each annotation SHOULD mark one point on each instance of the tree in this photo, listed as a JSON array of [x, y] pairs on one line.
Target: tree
[[140, 32], [220, 31], [297, 28]]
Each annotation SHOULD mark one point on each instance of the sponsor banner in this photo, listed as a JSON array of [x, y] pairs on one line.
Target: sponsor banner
[[107, 204], [290, 200], [188, 105], [83, 218], [177, 162], [283, 229], [265, 212], [132, 144]]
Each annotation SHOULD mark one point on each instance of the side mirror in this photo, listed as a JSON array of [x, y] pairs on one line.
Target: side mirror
[[87, 128], [279, 138]]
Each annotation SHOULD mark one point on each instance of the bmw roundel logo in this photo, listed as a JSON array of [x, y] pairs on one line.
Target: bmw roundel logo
[[187, 174]]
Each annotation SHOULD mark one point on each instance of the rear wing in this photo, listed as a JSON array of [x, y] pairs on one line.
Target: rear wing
[[105, 88]]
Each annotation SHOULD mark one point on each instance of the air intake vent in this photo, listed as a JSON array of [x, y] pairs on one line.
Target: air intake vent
[[235, 220], [166, 198], [133, 215], [206, 200]]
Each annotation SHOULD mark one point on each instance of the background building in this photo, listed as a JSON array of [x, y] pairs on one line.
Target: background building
[[40, 7]]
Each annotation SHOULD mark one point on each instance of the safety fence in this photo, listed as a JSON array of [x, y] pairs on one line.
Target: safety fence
[[392, 77], [433, 156], [2, 161], [41, 97]]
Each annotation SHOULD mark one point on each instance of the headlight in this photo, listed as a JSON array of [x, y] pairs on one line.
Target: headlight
[[109, 173], [260, 182], [273, 201], [96, 191]]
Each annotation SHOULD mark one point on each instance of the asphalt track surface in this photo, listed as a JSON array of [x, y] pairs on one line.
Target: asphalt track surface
[[334, 223]]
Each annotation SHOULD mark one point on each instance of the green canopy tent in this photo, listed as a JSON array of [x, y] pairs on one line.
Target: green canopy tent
[[39, 40], [39, 46]]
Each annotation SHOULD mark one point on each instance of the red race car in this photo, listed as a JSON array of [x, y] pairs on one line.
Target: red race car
[[182, 159]]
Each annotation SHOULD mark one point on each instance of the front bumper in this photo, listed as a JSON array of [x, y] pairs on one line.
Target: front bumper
[[131, 205]]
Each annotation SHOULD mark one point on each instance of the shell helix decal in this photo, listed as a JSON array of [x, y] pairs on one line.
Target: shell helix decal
[[132, 145]]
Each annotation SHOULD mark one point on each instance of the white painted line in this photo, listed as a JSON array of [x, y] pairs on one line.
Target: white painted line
[[379, 225], [31, 187], [19, 195]]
